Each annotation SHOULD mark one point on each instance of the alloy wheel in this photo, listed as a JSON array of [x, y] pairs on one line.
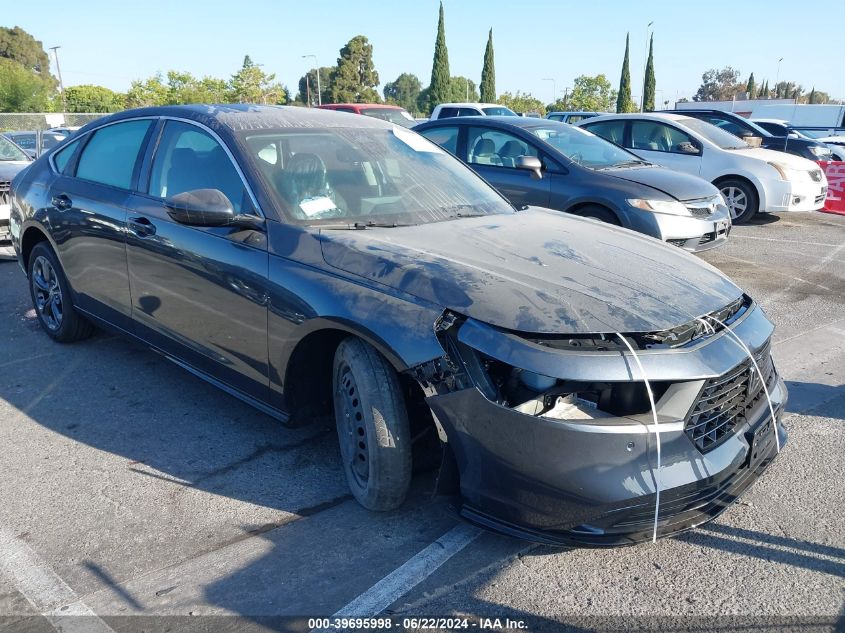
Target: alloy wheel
[[736, 200], [353, 435], [47, 292]]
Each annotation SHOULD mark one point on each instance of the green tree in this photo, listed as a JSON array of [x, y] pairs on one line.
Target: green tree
[[404, 91], [355, 78], [439, 89], [89, 98], [19, 46], [147, 92], [522, 103], [591, 93], [788, 90], [488, 73], [718, 85], [22, 90], [650, 85], [308, 86], [252, 85], [764, 91], [423, 101], [463, 89], [623, 98], [751, 87]]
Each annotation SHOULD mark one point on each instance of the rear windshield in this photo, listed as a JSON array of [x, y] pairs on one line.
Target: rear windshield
[[400, 117], [716, 135], [499, 111]]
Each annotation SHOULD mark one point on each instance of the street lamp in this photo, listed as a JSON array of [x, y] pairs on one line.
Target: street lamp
[[317, 68], [645, 65], [777, 77], [55, 50], [554, 87]]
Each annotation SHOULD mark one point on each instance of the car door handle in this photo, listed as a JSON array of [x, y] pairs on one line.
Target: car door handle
[[61, 202], [141, 226]]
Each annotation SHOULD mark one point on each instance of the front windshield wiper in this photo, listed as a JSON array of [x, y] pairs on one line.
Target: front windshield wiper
[[627, 163], [359, 226], [457, 210]]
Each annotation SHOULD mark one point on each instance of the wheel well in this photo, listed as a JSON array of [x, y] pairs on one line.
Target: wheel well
[[583, 205], [31, 237], [722, 179]]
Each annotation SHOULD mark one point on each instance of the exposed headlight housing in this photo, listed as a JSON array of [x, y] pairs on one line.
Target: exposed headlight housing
[[820, 152], [669, 207]]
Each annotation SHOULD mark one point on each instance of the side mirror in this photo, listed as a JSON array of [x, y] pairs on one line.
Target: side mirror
[[532, 164], [745, 134], [201, 207], [688, 148]]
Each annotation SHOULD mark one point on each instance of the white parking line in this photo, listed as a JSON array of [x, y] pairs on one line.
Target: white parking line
[[775, 239], [48, 594], [399, 582]]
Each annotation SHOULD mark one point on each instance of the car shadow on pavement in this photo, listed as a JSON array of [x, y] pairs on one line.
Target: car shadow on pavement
[[769, 547], [816, 399], [761, 219]]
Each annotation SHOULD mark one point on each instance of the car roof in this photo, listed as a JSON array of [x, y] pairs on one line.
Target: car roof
[[238, 117], [781, 121], [383, 106], [467, 104], [494, 121], [654, 116], [572, 112]]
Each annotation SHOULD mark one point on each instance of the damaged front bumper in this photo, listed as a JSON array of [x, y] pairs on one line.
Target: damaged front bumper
[[592, 481]]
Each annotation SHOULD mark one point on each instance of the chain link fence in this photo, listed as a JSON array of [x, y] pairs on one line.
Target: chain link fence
[[31, 121]]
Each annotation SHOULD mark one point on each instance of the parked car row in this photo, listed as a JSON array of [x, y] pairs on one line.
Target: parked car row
[[13, 159], [34, 143], [315, 263]]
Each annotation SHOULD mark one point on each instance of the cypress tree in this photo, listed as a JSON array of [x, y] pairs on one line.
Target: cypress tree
[[649, 88], [751, 87], [812, 97], [488, 73], [623, 99], [440, 85]]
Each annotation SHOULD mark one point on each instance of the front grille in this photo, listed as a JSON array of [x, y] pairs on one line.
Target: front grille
[[816, 175], [700, 212], [724, 400], [5, 186], [702, 207], [677, 242]]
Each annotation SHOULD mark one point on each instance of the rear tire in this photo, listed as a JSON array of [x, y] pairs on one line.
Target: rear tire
[[598, 213], [372, 426], [51, 297], [741, 198]]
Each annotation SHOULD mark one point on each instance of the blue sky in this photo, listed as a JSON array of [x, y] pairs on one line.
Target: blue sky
[[109, 42]]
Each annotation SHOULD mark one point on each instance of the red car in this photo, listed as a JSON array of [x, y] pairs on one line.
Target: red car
[[391, 113]]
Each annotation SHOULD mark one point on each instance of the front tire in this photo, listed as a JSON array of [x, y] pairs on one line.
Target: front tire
[[51, 297], [741, 198], [372, 426]]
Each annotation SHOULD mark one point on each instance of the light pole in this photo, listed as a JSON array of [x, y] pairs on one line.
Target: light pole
[[777, 78], [317, 68], [467, 89], [55, 50], [645, 65], [554, 87]]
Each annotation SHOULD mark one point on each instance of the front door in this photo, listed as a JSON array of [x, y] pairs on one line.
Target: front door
[[199, 293], [666, 145], [493, 154]]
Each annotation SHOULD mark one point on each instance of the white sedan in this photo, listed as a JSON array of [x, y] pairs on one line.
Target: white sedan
[[750, 178]]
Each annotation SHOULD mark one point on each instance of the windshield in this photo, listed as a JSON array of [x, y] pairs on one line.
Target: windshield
[[367, 175], [585, 148], [10, 152], [718, 136], [499, 111], [400, 117]]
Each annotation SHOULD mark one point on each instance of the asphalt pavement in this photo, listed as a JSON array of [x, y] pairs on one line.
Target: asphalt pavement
[[131, 488]]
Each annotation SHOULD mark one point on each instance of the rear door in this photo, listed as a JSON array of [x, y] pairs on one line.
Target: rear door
[[88, 214], [199, 293], [493, 153]]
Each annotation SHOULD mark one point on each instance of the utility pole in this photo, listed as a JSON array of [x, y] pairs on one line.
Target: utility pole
[[55, 50], [645, 64], [319, 89]]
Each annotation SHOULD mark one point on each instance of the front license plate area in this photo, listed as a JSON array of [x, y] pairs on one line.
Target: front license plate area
[[721, 228], [760, 443]]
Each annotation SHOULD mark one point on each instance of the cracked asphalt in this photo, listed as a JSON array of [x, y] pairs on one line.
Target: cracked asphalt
[[148, 492]]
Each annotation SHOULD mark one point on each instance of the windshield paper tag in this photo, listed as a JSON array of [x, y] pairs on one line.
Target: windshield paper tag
[[415, 141], [313, 206]]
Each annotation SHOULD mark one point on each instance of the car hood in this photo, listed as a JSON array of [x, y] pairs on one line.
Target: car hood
[[10, 169], [537, 271], [676, 184], [771, 155]]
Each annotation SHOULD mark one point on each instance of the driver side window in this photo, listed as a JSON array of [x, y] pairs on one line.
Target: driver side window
[[189, 158], [495, 148], [658, 137]]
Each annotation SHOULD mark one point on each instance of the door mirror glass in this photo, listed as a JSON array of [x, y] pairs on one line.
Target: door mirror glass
[[200, 207], [532, 164], [688, 148]]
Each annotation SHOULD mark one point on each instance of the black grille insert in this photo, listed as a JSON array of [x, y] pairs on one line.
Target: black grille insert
[[724, 400], [5, 186]]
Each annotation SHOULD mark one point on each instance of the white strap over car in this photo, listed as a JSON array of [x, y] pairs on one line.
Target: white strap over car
[[658, 476]]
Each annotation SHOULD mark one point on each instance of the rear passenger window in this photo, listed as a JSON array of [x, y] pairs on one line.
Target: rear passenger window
[[63, 156], [613, 131], [657, 137], [447, 112], [110, 156], [496, 148], [445, 137]]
